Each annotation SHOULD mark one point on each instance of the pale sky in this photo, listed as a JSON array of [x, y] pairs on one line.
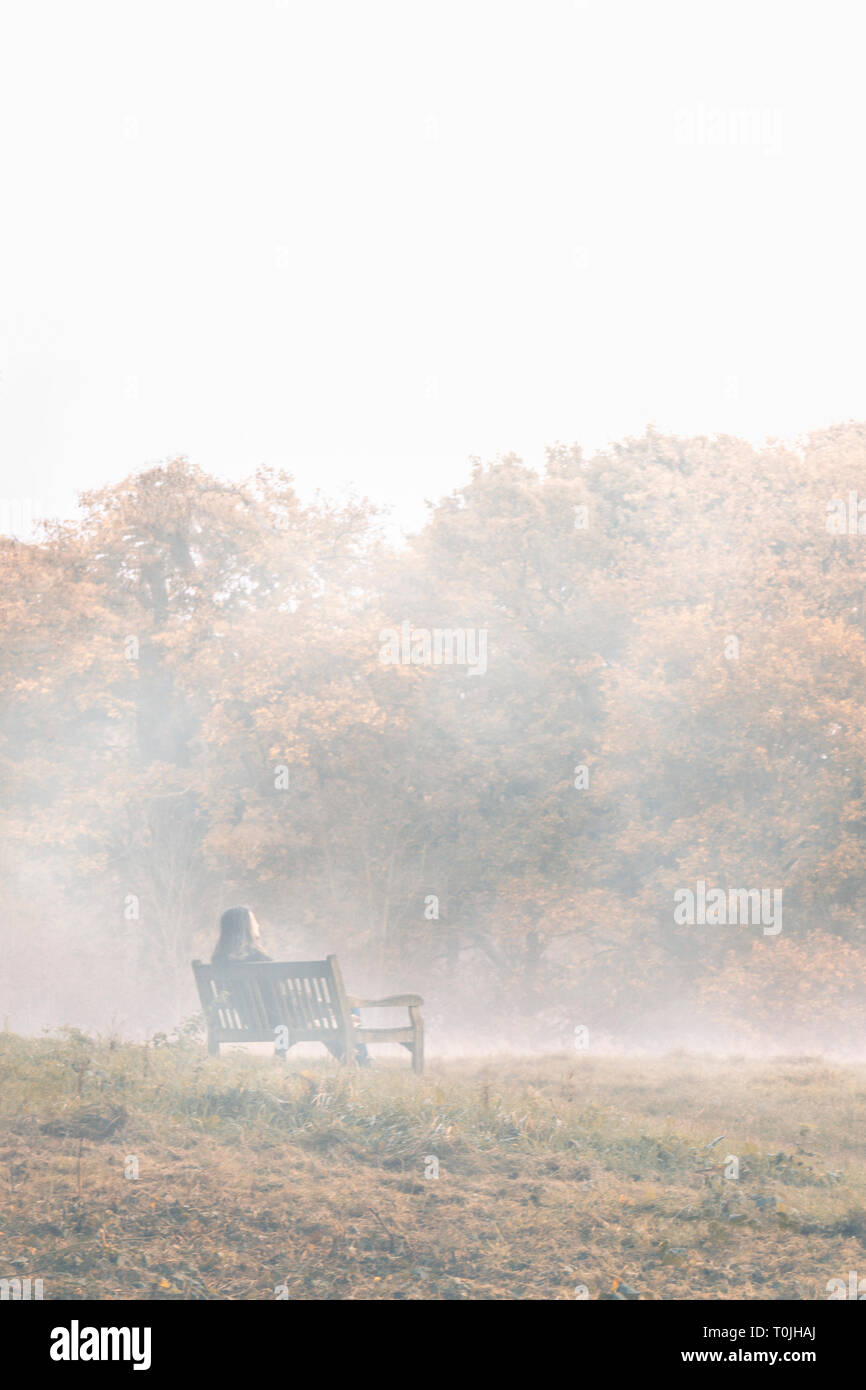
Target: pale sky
[[366, 239]]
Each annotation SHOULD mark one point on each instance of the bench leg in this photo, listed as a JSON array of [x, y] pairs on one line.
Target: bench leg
[[418, 1044], [342, 1052], [349, 1056]]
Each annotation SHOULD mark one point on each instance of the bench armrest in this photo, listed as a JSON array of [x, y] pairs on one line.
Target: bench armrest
[[394, 1001]]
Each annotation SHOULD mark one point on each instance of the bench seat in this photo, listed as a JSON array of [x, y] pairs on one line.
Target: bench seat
[[288, 1002]]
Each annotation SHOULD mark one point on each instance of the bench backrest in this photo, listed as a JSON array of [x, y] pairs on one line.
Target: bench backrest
[[247, 1002]]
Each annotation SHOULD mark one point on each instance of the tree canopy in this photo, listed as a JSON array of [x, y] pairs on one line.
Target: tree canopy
[[195, 710]]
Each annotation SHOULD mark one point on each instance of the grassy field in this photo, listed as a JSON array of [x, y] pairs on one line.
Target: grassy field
[[131, 1172]]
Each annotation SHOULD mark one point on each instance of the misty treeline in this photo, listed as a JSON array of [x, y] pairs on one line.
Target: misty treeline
[[196, 712]]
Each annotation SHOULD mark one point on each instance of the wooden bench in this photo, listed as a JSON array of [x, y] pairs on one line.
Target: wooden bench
[[297, 1001]]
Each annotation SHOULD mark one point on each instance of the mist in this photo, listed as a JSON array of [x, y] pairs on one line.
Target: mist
[[638, 816]]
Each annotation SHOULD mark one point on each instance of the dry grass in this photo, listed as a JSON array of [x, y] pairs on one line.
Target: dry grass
[[553, 1173]]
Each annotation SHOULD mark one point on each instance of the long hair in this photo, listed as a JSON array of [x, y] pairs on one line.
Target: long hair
[[238, 931]]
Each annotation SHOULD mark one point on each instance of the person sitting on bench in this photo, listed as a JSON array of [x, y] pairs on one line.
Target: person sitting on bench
[[238, 943]]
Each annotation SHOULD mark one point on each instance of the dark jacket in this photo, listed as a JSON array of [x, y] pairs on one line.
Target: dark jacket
[[251, 954]]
